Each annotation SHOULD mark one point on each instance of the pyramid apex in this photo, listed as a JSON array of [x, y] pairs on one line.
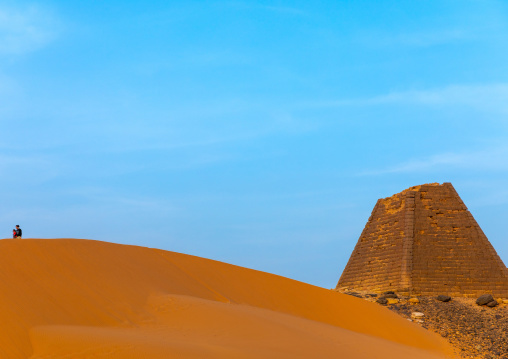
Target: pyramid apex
[[419, 188]]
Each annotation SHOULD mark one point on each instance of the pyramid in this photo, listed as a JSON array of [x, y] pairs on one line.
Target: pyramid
[[424, 241]]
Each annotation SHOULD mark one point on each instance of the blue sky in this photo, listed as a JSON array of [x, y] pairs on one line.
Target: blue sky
[[259, 133]]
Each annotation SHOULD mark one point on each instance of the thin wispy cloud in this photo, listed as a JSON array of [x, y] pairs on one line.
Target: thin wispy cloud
[[473, 21], [286, 10], [283, 9], [26, 29], [491, 159], [7, 161], [414, 39], [429, 38], [22, 169], [7, 86], [106, 196], [488, 97]]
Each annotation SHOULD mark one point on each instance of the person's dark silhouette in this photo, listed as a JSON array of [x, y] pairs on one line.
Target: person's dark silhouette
[[18, 231]]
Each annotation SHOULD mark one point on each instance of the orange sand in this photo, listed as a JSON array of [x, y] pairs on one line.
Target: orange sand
[[70, 298]]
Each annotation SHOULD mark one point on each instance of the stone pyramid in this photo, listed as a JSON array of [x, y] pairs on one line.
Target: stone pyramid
[[424, 241]]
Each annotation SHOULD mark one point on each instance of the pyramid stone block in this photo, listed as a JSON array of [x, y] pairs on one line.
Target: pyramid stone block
[[424, 241]]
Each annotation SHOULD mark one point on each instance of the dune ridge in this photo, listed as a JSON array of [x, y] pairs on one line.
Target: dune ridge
[[74, 298]]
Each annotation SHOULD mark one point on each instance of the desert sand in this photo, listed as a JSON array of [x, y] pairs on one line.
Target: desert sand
[[72, 298]]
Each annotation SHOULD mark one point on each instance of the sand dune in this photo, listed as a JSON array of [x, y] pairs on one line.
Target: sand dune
[[69, 298]]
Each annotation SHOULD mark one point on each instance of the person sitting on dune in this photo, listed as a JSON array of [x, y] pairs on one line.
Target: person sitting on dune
[[18, 231], [14, 233]]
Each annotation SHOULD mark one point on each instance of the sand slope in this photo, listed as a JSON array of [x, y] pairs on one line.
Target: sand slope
[[69, 298]]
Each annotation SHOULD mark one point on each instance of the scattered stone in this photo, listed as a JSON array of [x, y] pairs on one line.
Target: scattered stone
[[444, 298], [390, 295], [354, 294], [389, 292], [417, 315], [371, 295], [392, 300], [484, 299], [465, 325], [382, 301], [492, 304], [404, 307], [414, 300], [505, 301]]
